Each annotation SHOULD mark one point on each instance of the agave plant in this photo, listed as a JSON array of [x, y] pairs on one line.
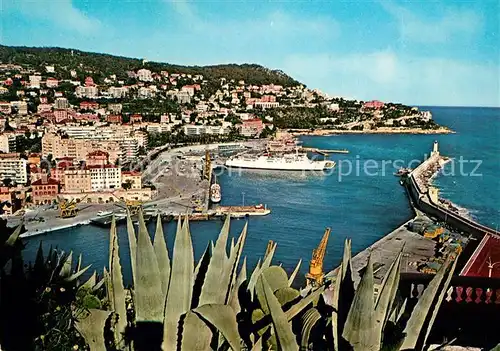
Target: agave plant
[[179, 305], [363, 320]]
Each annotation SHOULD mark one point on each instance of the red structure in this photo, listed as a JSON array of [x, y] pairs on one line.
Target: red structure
[[97, 158], [485, 261], [44, 190], [373, 104]]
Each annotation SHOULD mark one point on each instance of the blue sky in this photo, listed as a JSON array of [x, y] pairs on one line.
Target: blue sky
[[416, 52]]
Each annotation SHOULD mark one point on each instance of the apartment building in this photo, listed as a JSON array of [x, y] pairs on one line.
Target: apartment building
[[77, 180], [105, 177], [78, 148], [134, 178], [13, 167]]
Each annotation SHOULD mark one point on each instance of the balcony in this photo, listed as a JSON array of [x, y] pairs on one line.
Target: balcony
[[469, 312]]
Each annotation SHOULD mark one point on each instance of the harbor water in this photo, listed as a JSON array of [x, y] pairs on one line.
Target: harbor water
[[363, 204]]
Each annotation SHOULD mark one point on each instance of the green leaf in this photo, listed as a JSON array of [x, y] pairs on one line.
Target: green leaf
[[116, 289], [303, 303], [286, 295], [199, 276], [179, 294], [253, 278], [277, 278], [234, 261], [149, 298], [90, 283], [234, 299], [360, 330], [294, 273], [214, 288], [132, 243], [14, 236], [283, 330], [161, 252], [387, 294], [67, 266], [91, 327], [309, 319], [417, 319], [77, 274], [442, 294], [223, 318], [196, 335]]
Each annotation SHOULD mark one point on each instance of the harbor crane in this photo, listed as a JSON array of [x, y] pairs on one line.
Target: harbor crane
[[67, 208], [315, 275]]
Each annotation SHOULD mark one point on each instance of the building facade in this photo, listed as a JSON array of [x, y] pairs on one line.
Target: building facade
[[13, 167]]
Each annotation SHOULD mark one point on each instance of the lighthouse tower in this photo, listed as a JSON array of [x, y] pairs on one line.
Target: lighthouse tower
[[435, 149]]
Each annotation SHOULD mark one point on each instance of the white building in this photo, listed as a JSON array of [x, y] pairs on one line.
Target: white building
[[144, 75], [105, 177], [118, 92], [8, 142], [50, 69], [35, 81], [14, 168], [87, 91]]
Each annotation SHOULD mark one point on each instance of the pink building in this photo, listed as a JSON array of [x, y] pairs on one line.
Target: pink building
[[89, 82], [373, 104], [51, 82], [97, 158], [252, 127], [60, 115], [89, 105]]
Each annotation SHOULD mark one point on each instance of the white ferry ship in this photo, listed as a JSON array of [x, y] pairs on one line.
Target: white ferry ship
[[285, 162]]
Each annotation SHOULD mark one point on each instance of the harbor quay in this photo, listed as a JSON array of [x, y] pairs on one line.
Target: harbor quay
[[437, 229]]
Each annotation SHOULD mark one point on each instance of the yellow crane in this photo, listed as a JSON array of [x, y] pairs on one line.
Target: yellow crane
[[207, 171], [67, 208], [315, 275]]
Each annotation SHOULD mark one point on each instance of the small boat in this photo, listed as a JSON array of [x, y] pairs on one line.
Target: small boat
[[215, 192], [104, 213]]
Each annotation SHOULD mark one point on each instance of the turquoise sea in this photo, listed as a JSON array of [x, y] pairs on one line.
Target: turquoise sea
[[361, 205]]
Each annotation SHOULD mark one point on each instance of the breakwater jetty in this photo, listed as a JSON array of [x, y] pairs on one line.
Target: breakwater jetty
[[425, 197]]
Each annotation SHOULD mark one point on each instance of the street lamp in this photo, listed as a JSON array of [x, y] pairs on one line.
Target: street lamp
[[491, 265]]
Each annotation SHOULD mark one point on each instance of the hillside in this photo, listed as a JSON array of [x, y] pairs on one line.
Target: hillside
[[102, 65]]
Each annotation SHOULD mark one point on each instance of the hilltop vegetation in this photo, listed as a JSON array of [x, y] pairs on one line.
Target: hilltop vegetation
[[103, 65]]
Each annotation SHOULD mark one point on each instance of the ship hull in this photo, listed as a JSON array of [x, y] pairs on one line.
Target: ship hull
[[281, 166]]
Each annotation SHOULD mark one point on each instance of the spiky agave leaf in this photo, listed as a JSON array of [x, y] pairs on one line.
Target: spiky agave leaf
[[294, 273], [257, 271], [196, 335], [417, 319], [161, 252], [286, 295], [149, 299], [242, 276], [343, 294], [253, 277], [213, 290], [441, 296], [116, 289], [223, 318], [77, 274], [303, 303], [283, 330], [180, 294], [359, 329], [14, 236], [233, 262], [67, 266], [309, 320], [91, 327], [276, 278], [90, 283], [132, 243], [199, 276], [387, 294]]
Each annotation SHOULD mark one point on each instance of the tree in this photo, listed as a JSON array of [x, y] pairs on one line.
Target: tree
[[127, 185], [7, 182]]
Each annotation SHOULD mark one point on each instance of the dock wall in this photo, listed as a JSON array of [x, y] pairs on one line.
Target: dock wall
[[423, 202]]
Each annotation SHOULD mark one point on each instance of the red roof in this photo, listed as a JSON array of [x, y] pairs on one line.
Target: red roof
[[486, 259], [98, 153], [101, 166], [50, 181], [131, 173]]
